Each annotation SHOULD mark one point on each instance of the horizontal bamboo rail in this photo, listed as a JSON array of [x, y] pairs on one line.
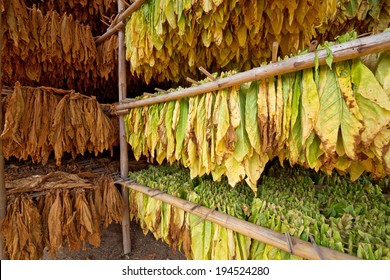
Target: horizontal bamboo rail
[[344, 51], [119, 22], [300, 247]]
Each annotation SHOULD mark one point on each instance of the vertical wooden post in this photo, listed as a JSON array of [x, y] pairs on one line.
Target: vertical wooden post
[[3, 195], [124, 160]]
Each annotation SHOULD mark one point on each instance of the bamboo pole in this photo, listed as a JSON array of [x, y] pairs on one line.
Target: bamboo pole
[[301, 248], [119, 22], [345, 51], [124, 160], [3, 195]]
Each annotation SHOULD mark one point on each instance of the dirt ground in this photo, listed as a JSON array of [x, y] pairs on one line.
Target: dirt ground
[[144, 247]]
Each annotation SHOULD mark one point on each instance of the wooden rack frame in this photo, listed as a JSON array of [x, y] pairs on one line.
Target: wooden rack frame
[[340, 52], [119, 22], [124, 160], [301, 248], [345, 51]]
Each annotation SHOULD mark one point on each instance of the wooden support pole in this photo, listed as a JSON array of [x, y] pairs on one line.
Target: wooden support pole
[[124, 160], [345, 51], [119, 23], [300, 248], [3, 195]]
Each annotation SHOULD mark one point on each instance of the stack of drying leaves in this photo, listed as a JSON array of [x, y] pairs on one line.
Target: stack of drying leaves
[[47, 49], [168, 40], [319, 118], [86, 11], [56, 210], [352, 218], [40, 120]]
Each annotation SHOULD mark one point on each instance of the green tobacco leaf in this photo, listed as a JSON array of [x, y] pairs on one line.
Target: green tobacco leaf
[[295, 139], [334, 116], [242, 145], [310, 104], [329, 56], [169, 131], [382, 71], [243, 245], [181, 127]]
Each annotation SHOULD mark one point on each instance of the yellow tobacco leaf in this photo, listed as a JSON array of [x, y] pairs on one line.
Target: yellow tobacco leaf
[[310, 104], [334, 115], [373, 101]]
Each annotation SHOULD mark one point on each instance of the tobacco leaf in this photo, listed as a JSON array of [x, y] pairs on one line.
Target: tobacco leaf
[[55, 225]]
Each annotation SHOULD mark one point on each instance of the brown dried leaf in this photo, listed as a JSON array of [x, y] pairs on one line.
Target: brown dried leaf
[[69, 223], [112, 201], [55, 225], [94, 238], [84, 216]]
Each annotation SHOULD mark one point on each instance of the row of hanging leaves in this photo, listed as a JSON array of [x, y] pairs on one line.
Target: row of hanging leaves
[[66, 215], [41, 120], [321, 118], [53, 50], [179, 36], [86, 11]]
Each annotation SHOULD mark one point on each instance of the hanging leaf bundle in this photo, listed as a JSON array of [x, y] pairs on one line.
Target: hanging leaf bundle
[[168, 40], [41, 120], [86, 11], [319, 118], [68, 211], [52, 50], [22, 230], [107, 59], [337, 213]]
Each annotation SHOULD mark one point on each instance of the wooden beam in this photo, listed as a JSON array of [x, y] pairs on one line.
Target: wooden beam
[[124, 160], [119, 23], [300, 248], [345, 51]]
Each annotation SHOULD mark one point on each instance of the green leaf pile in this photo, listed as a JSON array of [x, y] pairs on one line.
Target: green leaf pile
[[349, 217]]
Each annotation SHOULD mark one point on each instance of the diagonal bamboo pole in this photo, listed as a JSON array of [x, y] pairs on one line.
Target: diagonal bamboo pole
[[3, 195], [345, 51], [119, 23], [124, 160], [300, 247]]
